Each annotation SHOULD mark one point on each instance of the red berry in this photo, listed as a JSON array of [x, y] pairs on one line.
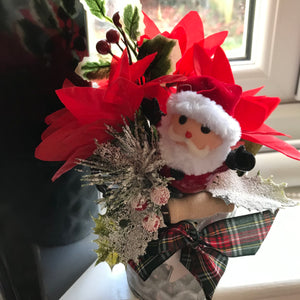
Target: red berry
[[103, 47], [112, 36]]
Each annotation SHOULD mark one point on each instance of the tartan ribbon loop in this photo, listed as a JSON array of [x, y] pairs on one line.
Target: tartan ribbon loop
[[205, 253]]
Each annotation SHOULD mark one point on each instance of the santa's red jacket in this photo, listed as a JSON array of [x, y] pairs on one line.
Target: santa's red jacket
[[191, 184]]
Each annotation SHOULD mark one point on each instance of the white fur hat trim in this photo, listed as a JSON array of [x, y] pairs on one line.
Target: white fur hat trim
[[206, 112]]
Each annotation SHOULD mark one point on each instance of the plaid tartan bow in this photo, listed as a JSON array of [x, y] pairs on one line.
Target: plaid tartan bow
[[205, 253]]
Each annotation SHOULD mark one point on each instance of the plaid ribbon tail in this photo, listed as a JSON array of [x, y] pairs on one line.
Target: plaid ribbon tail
[[239, 236], [207, 266], [232, 237]]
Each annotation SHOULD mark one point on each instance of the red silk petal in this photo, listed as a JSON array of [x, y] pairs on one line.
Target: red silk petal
[[138, 69], [67, 83], [193, 27], [185, 65], [150, 28], [251, 112], [62, 143], [265, 129], [58, 123], [54, 147], [55, 116], [252, 92], [120, 68], [179, 34], [166, 79], [273, 143], [250, 115], [114, 65], [221, 68], [91, 104], [83, 102], [125, 96], [270, 103], [211, 42], [202, 62], [83, 152]]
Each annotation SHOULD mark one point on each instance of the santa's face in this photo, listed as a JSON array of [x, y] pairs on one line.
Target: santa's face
[[187, 145], [198, 138]]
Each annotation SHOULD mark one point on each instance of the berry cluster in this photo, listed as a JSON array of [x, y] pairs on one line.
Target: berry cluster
[[104, 46], [113, 36]]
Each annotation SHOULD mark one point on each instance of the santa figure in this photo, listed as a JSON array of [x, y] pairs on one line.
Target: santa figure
[[198, 134]]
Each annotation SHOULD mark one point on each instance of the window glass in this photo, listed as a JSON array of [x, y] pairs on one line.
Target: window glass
[[217, 15]]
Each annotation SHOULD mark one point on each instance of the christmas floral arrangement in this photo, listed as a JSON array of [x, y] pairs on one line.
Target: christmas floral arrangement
[[165, 120]]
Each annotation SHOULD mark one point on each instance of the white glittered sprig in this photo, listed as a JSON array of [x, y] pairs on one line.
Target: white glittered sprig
[[252, 193]]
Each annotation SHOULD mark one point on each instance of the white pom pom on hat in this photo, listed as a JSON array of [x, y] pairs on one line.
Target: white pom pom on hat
[[211, 103]]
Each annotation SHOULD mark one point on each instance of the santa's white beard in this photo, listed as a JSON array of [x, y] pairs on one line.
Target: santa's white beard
[[186, 158], [188, 143]]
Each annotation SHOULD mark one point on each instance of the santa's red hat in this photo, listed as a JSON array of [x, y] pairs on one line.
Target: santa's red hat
[[210, 102]]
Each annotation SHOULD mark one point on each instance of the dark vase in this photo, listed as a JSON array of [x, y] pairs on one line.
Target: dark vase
[[67, 209], [42, 43]]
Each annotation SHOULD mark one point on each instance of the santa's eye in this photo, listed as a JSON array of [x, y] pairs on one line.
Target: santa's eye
[[205, 129], [182, 119]]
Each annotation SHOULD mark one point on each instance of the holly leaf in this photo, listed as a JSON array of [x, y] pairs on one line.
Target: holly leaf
[[103, 227], [95, 70], [131, 21], [97, 8], [112, 259], [44, 13], [161, 65]]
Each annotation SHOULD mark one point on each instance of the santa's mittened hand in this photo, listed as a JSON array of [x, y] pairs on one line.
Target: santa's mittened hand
[[240, 159]]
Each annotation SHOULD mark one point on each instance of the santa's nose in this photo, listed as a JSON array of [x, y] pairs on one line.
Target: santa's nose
[[188, 134]]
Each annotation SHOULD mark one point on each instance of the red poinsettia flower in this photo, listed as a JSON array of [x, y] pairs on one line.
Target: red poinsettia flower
[[188, 31], [72, 130], [251, 112], [205, 59]]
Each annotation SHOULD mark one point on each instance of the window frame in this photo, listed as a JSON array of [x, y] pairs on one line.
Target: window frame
[[275, 65], [274, 52]]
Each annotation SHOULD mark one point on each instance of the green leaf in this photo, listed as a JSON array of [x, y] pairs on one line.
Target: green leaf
[[161, 65], [95, 70], [102, 225], [44, 13], [97, 8], [112, 259], [105, 252], [131, 21]]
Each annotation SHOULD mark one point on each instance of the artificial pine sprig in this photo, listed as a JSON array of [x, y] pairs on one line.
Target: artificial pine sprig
[[128, 169]]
